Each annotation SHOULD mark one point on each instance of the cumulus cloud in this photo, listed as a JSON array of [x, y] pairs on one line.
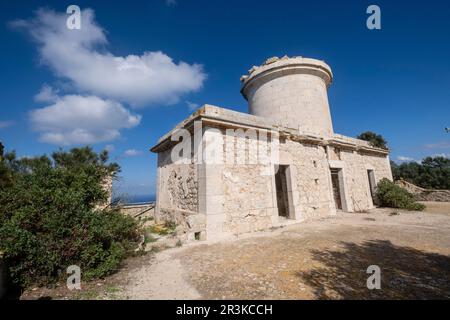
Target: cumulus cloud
[[76, 119], [80, 57], [442, 155], [110, 147], [403, 158], [47, 94], [132, 153]]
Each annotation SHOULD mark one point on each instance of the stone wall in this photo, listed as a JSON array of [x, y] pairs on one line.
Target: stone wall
[[357, 187], [107, 186], [177, 184], [299, 99], [293, 90], [138, 210], [356, 181], [177, 194], [248, 199], [313, 197], [236, 193], [245, 193]]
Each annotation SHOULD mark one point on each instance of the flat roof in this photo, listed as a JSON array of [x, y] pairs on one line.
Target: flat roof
[[234, 119]]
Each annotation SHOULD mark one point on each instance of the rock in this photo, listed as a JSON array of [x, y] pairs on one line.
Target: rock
[[422, 194]]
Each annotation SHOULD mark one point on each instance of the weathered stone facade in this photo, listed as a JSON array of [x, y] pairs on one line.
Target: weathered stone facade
[[315, 172]]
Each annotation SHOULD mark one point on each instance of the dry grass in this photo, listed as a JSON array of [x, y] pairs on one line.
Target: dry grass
[[437, 207]]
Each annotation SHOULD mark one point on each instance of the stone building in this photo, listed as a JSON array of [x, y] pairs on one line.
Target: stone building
[[223, 173]]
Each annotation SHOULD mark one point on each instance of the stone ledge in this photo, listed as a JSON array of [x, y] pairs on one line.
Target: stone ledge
[[217, 116]]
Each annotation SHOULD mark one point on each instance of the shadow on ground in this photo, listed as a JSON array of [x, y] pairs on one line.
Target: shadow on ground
[[406, 273]]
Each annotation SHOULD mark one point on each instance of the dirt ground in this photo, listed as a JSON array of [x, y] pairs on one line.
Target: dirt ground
[[321, 259]]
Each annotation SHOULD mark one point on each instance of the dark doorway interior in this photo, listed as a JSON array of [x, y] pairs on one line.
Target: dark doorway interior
[[281, 190], [371, 177], [336, 188]]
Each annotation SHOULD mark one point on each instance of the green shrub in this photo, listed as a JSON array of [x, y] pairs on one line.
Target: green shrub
[[393, 196], [375, 140], [50, 219]]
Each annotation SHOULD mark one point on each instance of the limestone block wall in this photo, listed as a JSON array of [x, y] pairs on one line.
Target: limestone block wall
[[138, 210], [298, 99], [240, 197], [107, 185], [248, 199], [236, 194], [293, 90], [356, 184], [177, 194], [177, 183], [380, 164], [313, 179], [356, 180]]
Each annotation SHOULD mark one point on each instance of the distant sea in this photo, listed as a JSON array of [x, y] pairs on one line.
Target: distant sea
[[137, 198]]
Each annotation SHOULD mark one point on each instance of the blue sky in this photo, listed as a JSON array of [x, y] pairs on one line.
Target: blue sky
[[393, 81]]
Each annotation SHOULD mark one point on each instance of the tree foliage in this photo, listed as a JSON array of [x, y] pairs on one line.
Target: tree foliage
[[375, 140], [50, 217], [393, 196], [432, 173]]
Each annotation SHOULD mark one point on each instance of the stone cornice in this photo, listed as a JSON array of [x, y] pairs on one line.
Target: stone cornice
[[225, 118]]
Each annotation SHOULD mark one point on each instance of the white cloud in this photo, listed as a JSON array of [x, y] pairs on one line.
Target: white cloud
[[406, 159], [110, 148], [6, 124], [152, 77], [192, 106], [47, 94], [75, 119], [132, 153], [442, 155]]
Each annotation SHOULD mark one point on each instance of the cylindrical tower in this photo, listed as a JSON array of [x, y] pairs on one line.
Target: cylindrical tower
[[293, 90]]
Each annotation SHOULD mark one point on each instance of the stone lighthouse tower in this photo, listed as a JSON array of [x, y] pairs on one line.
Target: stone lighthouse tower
[[293, 91]]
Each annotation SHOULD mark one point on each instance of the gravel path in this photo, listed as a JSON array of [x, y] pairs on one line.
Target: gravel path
[[161, 279]]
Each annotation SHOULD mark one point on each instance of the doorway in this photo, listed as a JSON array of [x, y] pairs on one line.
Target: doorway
[[336, 183], [282, 191], [371, 177]]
